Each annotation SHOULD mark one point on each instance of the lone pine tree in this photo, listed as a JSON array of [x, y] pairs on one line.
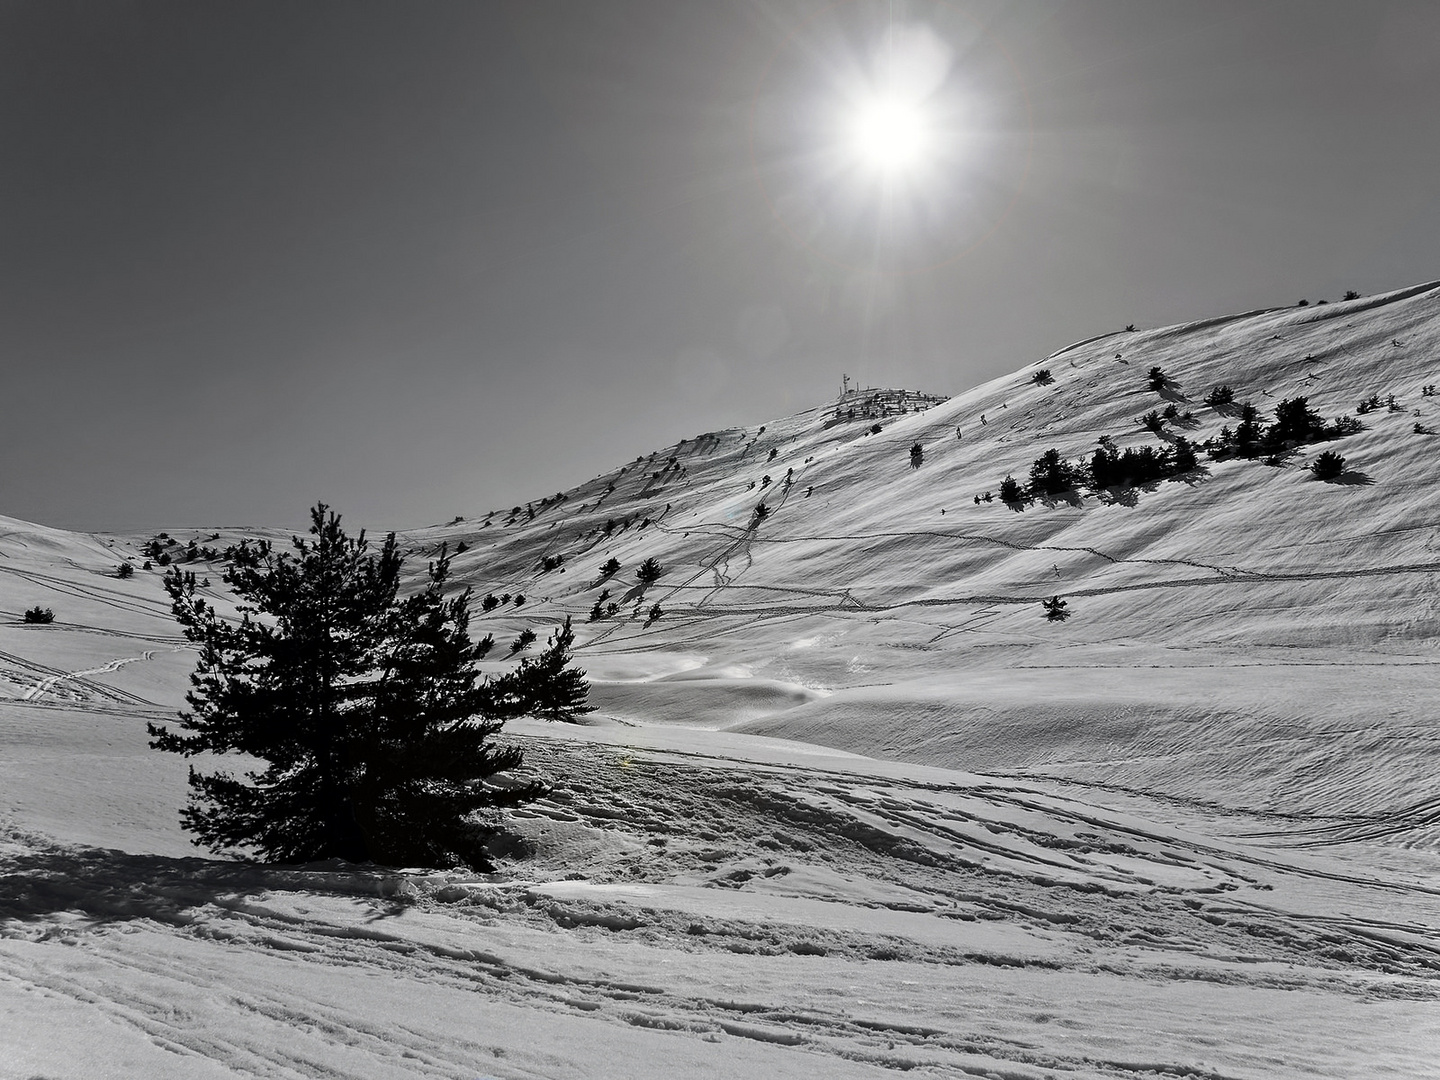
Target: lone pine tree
[[366, 711]]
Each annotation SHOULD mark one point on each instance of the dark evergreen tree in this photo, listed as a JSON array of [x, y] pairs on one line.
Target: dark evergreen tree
[[609, 567], [1152, 422], [523, 641], [366, 711], [1184, 460], [1156, 378], [1010, 491], [1051, 474], [1328, 466], [548, 685], [1247, 434], [1294, 422], [490, 603], [125, 570], [649, 572], [37, 614], [917, 456], [1220, 395], [1104, 468], [1055, 609]]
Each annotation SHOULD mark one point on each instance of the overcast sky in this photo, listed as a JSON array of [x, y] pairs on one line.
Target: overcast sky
[[420, 259]]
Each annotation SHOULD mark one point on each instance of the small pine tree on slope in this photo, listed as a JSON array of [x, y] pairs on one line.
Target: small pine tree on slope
[[365, 710]]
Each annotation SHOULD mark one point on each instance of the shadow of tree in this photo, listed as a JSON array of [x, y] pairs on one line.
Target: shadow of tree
[[1119, 496], [108, 886], [1070, 498], [1352, 478]]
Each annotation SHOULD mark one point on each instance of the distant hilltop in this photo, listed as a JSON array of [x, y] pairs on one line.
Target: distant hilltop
[[874, 404]]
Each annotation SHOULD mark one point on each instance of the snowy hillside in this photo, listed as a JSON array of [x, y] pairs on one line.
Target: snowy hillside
[[850, 805], [878, 609]]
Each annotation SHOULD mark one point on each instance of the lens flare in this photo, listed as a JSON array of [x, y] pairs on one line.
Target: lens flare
[[889, 135]]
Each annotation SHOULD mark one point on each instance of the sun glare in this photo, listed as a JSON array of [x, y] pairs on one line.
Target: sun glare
[[888, 135], [890, 142]]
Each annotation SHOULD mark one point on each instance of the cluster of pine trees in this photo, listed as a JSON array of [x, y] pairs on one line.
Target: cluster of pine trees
[[1295, 424], [1108, 467]]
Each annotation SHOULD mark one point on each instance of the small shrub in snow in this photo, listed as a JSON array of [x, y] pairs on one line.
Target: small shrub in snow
[[523, 641], [1220, 395], [1156, 378], [875, 429], [124, 570], [1010, 491], [609, 567], [649, 572], [1055, 609], [1328, 465], [917, 456], [1152, 422], [490, 603], [654, 614], [1350, 294], [1043, 377], [38, 614]]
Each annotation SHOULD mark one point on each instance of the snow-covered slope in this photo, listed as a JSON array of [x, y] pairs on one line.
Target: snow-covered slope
[[850, 805], [878, 608]]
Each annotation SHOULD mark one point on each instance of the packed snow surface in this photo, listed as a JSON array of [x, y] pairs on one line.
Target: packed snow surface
[[850, 806]]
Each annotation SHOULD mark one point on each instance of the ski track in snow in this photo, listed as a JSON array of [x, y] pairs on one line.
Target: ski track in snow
[[699, 860], [47, 684]]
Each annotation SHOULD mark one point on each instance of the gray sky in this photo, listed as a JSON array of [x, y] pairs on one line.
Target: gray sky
[[425, 259]]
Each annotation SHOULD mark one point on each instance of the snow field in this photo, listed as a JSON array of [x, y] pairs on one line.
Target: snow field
[[851, 807]]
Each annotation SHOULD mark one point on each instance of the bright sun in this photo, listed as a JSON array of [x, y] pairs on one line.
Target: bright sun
[[888, 134]]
